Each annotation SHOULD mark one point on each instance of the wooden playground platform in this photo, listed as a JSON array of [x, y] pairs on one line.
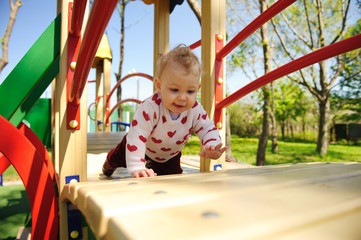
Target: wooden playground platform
[[296, 201], [291, 201]]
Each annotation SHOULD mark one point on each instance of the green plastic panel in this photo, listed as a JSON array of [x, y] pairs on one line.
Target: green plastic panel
[[38, 67], [39, 120]]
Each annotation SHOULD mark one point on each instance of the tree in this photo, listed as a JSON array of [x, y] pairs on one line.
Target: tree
[[121, 10], [14, 7], [306, 26], [262, 143], [346, 97], [249, 49]]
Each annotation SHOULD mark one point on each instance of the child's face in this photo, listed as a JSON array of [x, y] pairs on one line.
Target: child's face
[[177, 88]]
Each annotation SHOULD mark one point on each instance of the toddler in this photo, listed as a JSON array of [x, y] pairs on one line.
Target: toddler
[[163, 122]]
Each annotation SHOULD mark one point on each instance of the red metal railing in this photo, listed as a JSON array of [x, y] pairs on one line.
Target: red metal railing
[[123, 79], [77, 17], [98, 20], [307, 60]]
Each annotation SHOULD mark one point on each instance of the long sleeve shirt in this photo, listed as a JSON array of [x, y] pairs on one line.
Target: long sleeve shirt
[[154, 133]]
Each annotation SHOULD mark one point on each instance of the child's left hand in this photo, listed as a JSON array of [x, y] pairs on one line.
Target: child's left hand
[[212, 152]]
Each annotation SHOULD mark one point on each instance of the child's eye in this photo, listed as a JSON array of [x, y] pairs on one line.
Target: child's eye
[[174, 90], [190, 91]]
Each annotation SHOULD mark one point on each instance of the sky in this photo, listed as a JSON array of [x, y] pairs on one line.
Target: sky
[[35, 15]]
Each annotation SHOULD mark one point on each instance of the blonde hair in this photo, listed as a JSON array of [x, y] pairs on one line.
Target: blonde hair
[[180, 55]]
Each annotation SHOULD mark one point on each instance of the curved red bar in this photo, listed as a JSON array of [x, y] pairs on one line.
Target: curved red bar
[[332, 50], [77, 17], [125, 78], [99, 17], [38, 183], [120, 103], [4, 163], [253, 26]]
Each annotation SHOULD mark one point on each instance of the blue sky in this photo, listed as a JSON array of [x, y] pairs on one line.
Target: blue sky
[[34, 17]]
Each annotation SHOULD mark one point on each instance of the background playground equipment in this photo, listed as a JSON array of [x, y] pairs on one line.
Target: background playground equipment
[[64, 43]]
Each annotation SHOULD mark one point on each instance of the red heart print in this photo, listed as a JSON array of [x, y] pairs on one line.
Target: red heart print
[[184, 120], [132, 148], [204, 116], [156, 99], [134, 123], [171, 134], [195, 104], [180, 142], [165, 149], [146, 116], [155, 115], [143, 160], [164, 119], [199, 130], [150, 150], [142, 138], [174, 153], [156, 140]]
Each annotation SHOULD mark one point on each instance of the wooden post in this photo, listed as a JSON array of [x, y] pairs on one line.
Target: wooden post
[[107, 76], [70, 145], [161, 30], [98, 97], [213, 23]]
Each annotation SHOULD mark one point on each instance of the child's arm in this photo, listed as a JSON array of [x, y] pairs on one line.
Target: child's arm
[[212, 152]]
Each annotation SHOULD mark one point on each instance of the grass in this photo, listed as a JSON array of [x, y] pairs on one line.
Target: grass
[[245, 150], [14, 210]]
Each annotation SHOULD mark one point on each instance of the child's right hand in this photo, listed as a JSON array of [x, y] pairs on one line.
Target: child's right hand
[[144, 173]]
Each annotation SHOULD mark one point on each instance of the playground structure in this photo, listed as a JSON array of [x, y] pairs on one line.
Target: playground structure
[[115, 209]]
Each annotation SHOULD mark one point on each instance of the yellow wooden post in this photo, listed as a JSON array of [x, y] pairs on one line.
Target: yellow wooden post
[[161, 30], [213, 22], [102, 63], [107, 76], [98, 100], [70, 145]]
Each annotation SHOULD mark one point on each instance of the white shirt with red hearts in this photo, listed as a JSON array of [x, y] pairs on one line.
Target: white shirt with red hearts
[[155, 134]]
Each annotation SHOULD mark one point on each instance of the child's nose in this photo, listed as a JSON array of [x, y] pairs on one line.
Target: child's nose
[[181, 97]]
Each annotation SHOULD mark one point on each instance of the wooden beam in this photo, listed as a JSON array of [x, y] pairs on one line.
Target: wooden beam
[[213, 23]]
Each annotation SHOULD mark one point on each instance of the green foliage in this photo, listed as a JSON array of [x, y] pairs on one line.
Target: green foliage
[[245, 150], [244, 119]]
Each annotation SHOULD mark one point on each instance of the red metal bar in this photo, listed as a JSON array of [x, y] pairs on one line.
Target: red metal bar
[[253, 26], [98, 20], [4, 163], [195, 45], [120, 103], [77, 17], [332, 50], [125, 78]]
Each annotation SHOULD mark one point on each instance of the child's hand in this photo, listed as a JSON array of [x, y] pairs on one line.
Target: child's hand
[[143, 173], [212, 152]]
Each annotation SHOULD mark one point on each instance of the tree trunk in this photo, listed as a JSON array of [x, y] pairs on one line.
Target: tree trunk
[[273, 121], [323, 141], [5, 39], [119, 74], [262, 143], [194, 5]]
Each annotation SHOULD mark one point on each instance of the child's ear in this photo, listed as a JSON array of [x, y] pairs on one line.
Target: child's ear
[[157, 84]]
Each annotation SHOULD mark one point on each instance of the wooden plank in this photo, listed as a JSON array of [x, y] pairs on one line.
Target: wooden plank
[[295, 201]]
